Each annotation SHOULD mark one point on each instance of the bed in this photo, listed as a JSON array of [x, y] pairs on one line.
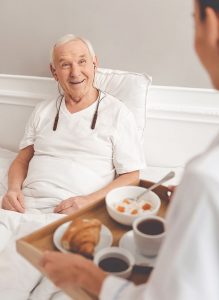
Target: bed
[[174, 125]]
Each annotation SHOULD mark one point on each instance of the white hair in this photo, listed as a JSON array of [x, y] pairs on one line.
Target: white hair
[[68, 38]]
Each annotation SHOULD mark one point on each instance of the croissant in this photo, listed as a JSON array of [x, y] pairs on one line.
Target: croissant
[[82, 236]]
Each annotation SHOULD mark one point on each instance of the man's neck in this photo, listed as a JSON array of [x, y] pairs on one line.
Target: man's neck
[[77, 104]]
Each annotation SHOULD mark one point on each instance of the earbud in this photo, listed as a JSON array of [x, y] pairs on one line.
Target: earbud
[[94, 66]]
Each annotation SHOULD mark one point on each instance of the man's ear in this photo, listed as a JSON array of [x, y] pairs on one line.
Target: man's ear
[[95, 62], [53, 71]]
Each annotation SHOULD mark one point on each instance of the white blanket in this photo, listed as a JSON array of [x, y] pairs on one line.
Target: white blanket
[[17, 276], [49, 181]]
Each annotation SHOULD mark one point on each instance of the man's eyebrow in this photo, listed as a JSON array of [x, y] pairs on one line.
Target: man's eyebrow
[[80, 56], [62, 59]]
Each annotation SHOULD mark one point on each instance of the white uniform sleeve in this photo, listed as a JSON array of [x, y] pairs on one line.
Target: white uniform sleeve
[[128, 152], [115, 288], [188, 262]]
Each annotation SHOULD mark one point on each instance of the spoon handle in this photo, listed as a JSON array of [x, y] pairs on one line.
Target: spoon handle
[[162, 180]]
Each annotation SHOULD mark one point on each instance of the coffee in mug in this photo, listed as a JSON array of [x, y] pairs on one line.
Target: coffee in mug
[[151, 226], [149, 232], [113, 264], [115, 260]]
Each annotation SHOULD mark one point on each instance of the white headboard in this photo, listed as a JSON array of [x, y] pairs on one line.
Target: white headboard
[[180, 121]]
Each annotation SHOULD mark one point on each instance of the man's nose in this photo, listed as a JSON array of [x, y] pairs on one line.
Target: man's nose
[[75, 70]]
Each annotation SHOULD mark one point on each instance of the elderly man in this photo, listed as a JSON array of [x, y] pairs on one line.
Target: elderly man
[[75, 149], [187, 266]]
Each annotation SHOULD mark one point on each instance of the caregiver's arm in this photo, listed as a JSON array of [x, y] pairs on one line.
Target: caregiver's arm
[[13, 199], [70, 205], [67, 270]]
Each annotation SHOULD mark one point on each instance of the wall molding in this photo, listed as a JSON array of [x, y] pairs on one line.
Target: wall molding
[[157, 108], [22, 98], [183, 104], [174, 117], [182, 113]]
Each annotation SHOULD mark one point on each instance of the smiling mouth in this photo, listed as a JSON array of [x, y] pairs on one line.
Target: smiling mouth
[[77, 82]]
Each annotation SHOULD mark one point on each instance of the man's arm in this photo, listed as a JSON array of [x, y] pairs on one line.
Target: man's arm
[[13, 199], [131, 178], [72, 204]]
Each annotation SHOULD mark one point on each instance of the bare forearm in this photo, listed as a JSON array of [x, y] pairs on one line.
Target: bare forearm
[[16, 175], [19, 167], [67, 270], [72, 204], [131, 178]]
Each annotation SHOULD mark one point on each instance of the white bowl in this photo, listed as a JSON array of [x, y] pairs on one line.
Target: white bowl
[[116, 196], [119, 253]]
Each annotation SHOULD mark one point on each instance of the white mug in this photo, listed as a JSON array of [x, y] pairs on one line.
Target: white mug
[[116, 252], [149, 232]]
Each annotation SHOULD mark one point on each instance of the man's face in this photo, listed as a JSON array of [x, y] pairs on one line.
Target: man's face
[[74, 69], [207, 42]]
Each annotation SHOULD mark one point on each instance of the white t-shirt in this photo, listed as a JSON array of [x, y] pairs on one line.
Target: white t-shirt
[[75, 158], [187, 267]]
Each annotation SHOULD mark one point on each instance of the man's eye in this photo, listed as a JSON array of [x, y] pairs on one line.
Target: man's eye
[[82, 61], [65, 65]]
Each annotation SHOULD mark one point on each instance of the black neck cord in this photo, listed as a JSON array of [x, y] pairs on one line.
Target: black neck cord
[[57, 115], [94, 120]]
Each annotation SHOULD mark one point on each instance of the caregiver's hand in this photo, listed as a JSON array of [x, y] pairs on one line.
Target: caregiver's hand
[[14, 200], [171, 189], [72, 204], [66, 270]]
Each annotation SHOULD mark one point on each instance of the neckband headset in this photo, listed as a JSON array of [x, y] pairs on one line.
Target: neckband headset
[[94, 119]]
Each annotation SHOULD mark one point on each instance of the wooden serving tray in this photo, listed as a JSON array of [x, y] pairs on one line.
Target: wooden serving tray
[[32, 246]]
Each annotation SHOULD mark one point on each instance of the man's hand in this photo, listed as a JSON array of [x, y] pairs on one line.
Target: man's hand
[[67, 270], [72, 204], [14, 200]]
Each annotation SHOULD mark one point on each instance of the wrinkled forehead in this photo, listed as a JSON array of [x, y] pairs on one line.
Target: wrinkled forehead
[[74, 49]]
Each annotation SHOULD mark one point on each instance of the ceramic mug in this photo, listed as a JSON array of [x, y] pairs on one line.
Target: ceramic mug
[[149, 232], [115, 260]]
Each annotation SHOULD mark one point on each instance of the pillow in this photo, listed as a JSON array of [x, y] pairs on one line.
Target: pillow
[[6, 158], [130, 88]]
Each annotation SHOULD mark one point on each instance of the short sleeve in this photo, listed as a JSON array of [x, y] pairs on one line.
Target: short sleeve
[[30, 129], [128, 152]]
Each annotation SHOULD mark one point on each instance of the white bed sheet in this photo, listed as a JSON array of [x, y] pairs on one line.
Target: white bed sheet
[[17, 276], [6, 157]]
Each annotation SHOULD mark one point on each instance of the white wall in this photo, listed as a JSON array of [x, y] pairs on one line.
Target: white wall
[[152, 36]]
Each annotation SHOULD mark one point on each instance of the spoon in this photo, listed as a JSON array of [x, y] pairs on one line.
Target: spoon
[[162, 180]]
